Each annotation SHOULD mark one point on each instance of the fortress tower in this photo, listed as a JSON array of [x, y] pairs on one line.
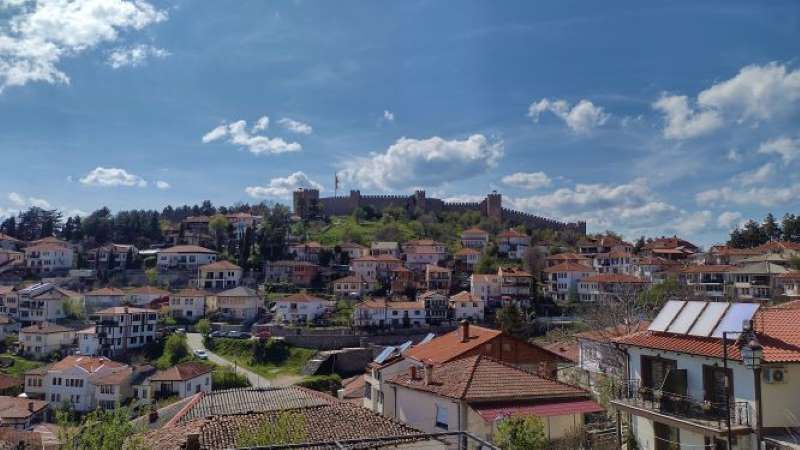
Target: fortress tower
[[305, 202], [494, 206]]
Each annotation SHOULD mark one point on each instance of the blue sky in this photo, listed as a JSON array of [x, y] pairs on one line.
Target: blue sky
[[679, 118]]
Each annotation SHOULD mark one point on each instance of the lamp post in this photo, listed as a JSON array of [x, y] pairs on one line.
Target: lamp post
[[727, 389], [752, 354]]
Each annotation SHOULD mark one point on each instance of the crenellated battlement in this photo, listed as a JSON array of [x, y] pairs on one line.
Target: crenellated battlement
[[308, 204]]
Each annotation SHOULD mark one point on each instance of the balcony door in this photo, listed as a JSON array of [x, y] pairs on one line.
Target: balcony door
[[666, 437], [663, 374]]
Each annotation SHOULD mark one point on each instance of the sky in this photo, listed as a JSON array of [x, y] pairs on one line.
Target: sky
[[655, 119]]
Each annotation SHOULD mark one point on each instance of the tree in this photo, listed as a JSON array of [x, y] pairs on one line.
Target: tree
[[175, 351], [790, 227], [486, 264], [521, 433], [771, 228], [511, 321], [639, 245], [99, 430], [203, 327], [218, 226]]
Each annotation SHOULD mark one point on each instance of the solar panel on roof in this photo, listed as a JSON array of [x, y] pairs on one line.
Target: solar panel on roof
[[428, 338], [709, 319], [387, 352], [686, 318], [733, 319], [666, 315], [405, 346]]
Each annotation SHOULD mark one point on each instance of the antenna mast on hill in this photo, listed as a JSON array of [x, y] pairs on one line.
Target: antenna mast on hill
[[335, 184]]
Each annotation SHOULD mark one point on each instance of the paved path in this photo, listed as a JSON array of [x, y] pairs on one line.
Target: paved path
[[195, 341]]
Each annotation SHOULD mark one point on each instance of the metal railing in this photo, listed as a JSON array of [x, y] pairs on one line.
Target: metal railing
[[683, 406], [454, 440]]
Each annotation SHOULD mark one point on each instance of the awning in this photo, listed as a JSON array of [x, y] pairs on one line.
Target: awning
[[492, 412]]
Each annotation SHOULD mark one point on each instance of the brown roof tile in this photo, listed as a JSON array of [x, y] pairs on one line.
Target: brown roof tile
[[182, 372]]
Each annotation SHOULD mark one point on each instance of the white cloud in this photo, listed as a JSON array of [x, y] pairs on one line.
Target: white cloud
[[690, 223], [581, 118], [134, 56], [261, 124], [296, 126], [755, 94], [236, 133], [112, 177], [728, 220], [163, 185], [762, 196], [527, 180], [424, 162], [20, 201], [734, 155], [388, 115], [787, 148], [42, 33], [760, 175], [282, 187], [683, 122]]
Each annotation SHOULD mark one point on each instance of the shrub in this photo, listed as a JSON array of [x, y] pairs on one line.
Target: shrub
[[223, 377], [323, 383]]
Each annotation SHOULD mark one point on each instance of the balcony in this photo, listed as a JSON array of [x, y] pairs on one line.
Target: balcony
[[680, 410]]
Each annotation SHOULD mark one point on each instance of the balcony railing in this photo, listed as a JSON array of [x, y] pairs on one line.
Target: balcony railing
[[633, 394]]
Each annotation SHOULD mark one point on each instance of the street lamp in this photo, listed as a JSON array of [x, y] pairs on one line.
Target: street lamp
[[752, 354]]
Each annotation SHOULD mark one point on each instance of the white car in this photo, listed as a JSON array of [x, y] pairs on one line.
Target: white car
[[201, 354]]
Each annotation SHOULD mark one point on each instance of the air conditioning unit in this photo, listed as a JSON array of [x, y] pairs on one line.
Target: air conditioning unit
[[775, 375]]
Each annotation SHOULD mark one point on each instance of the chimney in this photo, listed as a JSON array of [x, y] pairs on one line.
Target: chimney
[[153, 416], [428, 374], [193, 441], [30, 406], [412, 372], [464, 330]]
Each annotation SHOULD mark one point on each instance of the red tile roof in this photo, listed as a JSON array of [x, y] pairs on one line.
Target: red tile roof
[[511, 233], [221, 265], [449, 346], [301, 297], [474, 231], [7, 382], [467, 252], [90, 364], [493, 411], [776, 328], [568, 267], [182, 372], [187, 249], [480, 378]]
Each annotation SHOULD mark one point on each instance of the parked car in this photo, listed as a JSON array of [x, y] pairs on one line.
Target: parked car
[[217, 334], [180, 331], [238, 335], [201, 354]]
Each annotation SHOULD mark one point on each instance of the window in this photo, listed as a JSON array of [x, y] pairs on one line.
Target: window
[[441, 416]]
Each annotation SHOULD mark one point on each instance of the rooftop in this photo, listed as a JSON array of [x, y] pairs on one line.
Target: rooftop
[[187, 249], [568, 267], [20, 408], [239, 291], [182, 372], [221, 265], [46, 328], [480, 378]]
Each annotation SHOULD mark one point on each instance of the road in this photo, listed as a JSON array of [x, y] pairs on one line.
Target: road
[[195, 341]]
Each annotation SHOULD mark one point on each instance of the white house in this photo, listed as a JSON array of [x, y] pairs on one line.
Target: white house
[[88, 343], [561, 280], [48, 257], [185, 257], [605, 287], [43, 338], [219, 275], [477, 392], [144, 295], [189, 304], [385, 248], [124, 328], [484, 287], [513, 244], [464, 306], [790, 283], [103, 298], [474, 238], [75, 379], [182, 380], [43, 302], [352, 285], [466, 259], [380, 313], [706, 281], [240, 303], [680, 393], [354, 250], [422, 252], [300, 308]]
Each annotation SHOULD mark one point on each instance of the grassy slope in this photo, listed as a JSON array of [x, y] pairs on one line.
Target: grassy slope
[[20, 366], [345, 228], [298, 356]]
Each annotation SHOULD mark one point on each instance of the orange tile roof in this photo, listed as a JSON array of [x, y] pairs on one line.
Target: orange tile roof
[[46, 328], [90, 364], [105, 292], [463, 296], [568, 267], [566, 257], [381, 303], [708, 268], [148, 290], [480, 378], [467, 252], [7, 381], [221, 265], [190, 292], [300, 297], [350, 279], [776, 328], [474, 231], [449, 346], [568, 350], [182, 372], [511, 233], [792, 275], [19, 408], [432, 268]]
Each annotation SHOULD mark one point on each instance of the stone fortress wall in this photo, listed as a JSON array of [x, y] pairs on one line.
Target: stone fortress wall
[[307, 203]]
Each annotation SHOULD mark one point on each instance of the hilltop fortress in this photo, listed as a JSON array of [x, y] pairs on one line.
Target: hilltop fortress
[[307, 204]]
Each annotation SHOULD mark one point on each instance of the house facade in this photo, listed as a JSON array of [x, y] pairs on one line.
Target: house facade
[[188, 304], [474, 238], [298, 273], [43, 338], [240, 303], [49, 257], [300, 308], [383, 313], [219, 275], [123, 328], [181, 380], [561, 280], [185, 257]]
